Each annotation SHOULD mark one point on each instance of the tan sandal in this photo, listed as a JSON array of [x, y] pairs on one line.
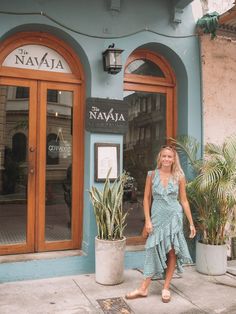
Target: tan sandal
[[135, 295], [165, 295]]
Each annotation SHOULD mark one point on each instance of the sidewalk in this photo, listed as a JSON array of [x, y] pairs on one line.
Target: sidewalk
[[192, 293]]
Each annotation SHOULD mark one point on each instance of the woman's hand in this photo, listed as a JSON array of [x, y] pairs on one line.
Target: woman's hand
[[148, 226], [192, 231]]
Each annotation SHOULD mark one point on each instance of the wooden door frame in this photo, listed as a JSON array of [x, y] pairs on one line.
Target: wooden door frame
[[77, 170], [31, 184], [74, 81], [166, 85]]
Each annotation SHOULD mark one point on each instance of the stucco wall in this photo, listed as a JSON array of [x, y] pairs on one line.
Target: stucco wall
[[89, 27], [219, 87]]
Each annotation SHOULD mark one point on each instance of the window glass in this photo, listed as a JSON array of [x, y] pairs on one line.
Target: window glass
[[14, 128], [22, 92], [52, 95], [146, 134], [19, 146], [52, 154], [58, 203], [144, 67]]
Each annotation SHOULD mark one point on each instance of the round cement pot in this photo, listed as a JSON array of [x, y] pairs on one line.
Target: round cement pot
[[109, 261], [211, 259]]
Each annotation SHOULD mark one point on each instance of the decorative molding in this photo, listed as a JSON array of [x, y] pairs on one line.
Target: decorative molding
[[181, 4], [178, 9], [114, 6], [177, 15]]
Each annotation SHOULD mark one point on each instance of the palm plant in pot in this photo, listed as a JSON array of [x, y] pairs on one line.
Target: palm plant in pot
[[111, 222], [212, 195]]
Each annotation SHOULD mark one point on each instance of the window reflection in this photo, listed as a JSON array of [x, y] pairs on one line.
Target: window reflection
[[22, 92], [146, 134], [19, 142], [144, 67], [14, 116], [59, 166], [52, 154]]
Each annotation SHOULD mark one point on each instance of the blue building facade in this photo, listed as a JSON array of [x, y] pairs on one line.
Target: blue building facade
[[51, 56]]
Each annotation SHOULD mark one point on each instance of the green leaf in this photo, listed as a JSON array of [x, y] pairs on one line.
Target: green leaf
[[212, 192], [108, 208]]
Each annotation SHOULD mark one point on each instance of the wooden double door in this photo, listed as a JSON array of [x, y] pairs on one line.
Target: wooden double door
[[41, 158]]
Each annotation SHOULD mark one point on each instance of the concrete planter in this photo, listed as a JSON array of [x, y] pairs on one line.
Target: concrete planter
[[109, 261], [211, 259]]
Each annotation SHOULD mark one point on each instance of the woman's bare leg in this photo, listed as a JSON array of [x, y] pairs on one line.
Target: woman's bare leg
[[145, 284], [171, 262]]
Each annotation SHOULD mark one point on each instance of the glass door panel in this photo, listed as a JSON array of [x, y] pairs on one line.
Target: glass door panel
[[14, 135], [145, 136], [58, 194], [59, 167], [37, 210]]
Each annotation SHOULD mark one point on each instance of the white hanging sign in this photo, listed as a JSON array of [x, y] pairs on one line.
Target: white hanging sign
[[37, 57]]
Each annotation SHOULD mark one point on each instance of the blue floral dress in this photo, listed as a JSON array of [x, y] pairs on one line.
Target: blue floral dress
[[167, 221]]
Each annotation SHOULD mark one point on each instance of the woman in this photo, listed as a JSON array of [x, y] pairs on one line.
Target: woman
[[166, 246]]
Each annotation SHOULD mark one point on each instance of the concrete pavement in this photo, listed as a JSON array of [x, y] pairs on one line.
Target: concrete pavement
[[191, 293]]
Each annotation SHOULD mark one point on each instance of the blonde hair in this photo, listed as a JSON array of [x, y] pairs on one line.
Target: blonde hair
[[176, 169]]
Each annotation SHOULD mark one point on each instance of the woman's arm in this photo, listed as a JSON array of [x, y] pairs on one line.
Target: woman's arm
[[185, 204], [147, 203]]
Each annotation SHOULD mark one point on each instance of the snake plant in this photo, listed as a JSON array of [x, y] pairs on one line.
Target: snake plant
[[108, 208]]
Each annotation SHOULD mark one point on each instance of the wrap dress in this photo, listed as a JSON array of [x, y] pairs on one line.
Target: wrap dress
[[167, 221]]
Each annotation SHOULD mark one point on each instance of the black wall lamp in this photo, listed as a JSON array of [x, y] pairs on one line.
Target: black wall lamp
[[112, 59]]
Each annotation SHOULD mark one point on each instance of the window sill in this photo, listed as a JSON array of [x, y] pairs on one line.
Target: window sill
[[134, 248], [39, 256]]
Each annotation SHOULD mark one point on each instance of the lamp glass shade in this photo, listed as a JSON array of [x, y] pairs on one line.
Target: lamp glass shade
[[112, 60]]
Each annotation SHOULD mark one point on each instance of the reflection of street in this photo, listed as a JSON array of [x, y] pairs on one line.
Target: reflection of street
[[57, 214], [57, 223], [146, 134], [13, 223], [13, 216], [135, 219]]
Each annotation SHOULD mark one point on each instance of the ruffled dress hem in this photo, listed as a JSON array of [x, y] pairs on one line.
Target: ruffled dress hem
[[158, 245]]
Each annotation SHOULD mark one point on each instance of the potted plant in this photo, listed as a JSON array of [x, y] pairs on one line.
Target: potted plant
[[111, 222], [212, 195]]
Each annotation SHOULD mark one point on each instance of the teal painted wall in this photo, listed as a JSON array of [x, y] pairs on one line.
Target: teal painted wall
[[89, 27]]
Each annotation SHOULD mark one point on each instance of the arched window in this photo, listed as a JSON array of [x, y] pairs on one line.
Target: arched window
[[19, 147], [149, 90]]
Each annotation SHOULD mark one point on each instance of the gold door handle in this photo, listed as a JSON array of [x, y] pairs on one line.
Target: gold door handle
[[31, 171], [31, 149]]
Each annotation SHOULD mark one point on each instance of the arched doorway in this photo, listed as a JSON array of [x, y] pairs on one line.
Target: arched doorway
[[41, 96], [150, 91]]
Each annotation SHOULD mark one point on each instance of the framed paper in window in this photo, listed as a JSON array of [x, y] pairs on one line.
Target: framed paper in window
[[107, 156]]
